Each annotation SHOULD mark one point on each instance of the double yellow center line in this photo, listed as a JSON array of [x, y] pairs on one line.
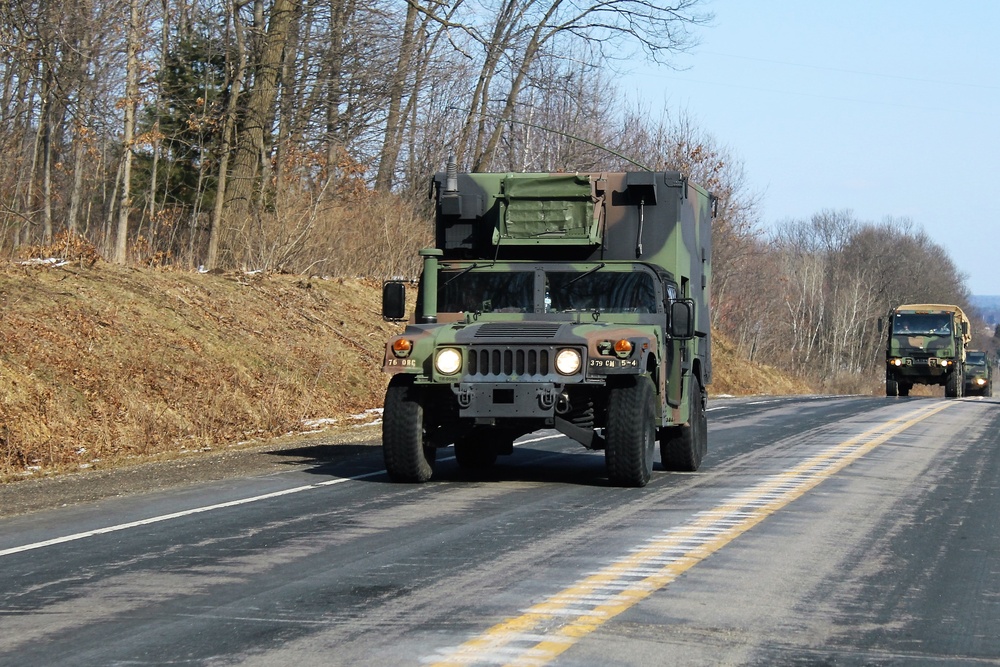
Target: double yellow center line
[[549, 628]]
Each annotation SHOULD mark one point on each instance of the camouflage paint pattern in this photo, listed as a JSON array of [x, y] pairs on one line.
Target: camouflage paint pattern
[[926, 343], [610, 230], [978, 372]]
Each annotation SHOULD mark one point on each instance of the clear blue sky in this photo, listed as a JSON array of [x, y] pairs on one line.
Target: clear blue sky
[[887, 108]]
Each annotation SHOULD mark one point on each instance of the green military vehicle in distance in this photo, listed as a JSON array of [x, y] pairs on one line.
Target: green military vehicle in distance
[[978, 373], [926, 345], [575, 302]]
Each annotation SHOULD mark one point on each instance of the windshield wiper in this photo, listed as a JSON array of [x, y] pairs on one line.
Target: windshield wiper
[[584, 275], [458, 275]]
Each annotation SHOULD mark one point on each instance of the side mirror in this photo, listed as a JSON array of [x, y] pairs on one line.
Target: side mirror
[[394, 300], [965, 328], [682, 319], [881, 325]]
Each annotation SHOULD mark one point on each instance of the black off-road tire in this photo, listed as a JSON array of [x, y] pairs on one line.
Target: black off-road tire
[[631, 433], [904, 388], [953, 385], [407, 456], [682, 448], [891, 386]]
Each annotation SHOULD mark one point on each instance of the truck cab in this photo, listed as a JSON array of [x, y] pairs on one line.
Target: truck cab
[[926, 345]]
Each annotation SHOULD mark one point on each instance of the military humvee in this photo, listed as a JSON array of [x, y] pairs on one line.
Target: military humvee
[[978, 373], [926, 345], [578, 302]]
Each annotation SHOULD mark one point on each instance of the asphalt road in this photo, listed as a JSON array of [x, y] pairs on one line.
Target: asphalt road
[[819, 531]]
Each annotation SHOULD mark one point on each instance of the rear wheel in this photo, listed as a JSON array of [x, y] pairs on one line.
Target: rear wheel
[[682, 448], [631, 433], [408, 458]]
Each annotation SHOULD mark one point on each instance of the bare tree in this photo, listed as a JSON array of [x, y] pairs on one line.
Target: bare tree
[[128, 135], [522, 33], [235, 86], [259, 114]]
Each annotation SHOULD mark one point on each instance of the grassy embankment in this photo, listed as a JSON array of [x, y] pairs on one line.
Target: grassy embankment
[[102, 366]]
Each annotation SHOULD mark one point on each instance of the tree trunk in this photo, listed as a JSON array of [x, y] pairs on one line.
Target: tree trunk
[[229, 125], [260, 109], [395, 121], [131, 97]]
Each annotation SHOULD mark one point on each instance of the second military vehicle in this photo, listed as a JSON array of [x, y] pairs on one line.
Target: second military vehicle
[[578, 302], [926, 345], [978, 373]]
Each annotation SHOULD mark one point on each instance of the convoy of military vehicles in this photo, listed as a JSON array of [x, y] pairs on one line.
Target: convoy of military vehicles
[[928, 344], [576, 302], [580, 302]]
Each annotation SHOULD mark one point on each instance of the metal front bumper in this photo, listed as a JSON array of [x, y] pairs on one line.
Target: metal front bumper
[[932, 367], [506, 399]]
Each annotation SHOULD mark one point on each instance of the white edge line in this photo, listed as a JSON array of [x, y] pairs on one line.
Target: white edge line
[[209, 508]]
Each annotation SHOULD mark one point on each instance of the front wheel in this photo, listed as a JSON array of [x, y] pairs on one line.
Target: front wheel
[[408, 457], [631, 433], [682, 448], [953, 385]]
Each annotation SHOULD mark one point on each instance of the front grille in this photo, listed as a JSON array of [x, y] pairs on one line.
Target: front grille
[[517, 330], [505, 362]]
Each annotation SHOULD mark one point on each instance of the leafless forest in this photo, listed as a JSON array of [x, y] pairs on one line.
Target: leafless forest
[[299, 135]]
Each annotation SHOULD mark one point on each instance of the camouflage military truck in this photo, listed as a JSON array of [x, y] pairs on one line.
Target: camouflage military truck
[[578, 302], [978, 373], [926, 345]]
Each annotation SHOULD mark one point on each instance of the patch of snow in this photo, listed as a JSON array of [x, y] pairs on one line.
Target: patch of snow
[[319, 423], [51, 261]]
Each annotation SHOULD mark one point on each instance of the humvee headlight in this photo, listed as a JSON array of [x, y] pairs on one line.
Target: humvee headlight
[[896, 362], [401, 347], [448, 361], [980, 381], [568, 361], [623, 348]]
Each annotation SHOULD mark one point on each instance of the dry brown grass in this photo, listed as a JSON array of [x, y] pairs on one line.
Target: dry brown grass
[[101, 365], [734, 375]]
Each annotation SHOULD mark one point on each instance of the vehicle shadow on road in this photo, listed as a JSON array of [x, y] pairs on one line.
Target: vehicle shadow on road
[[362, 462]]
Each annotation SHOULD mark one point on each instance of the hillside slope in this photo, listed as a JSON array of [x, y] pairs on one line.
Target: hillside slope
[[104, 365]]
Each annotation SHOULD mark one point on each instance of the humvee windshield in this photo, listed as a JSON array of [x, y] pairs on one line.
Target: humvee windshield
[[923, 325], [608, 292], [564, 292]]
